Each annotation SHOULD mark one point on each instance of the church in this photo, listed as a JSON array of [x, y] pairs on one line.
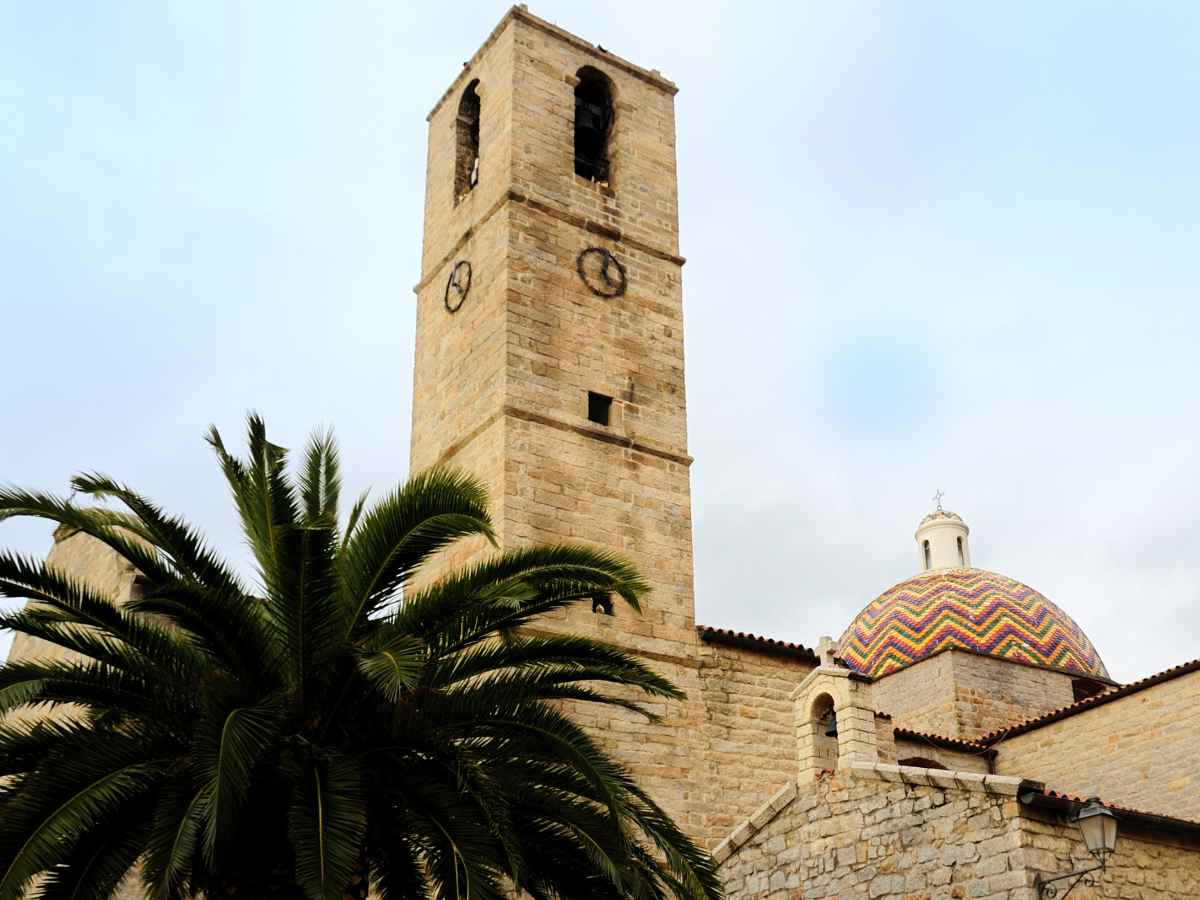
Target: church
[[961, 738]]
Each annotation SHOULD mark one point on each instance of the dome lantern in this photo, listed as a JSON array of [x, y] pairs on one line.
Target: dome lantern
[[942, 539]]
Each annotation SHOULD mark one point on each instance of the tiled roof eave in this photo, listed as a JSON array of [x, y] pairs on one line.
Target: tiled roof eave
[[1036, 794], [945, 742], [747, 641]]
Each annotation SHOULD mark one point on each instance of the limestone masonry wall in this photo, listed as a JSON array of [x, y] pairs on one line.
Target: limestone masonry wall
[[846, 837], [749, 750], [990, 693], [1148, 865], [912, 834], [964, 695], [1141, 751], [920, 697]]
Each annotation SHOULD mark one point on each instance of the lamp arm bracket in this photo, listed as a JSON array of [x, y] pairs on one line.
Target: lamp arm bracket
[[1045, 886]]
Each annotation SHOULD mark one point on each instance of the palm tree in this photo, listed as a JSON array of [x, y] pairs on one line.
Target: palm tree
[[331, 729]]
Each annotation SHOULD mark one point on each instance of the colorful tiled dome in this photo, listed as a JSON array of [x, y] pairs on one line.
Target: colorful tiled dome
[[969, 609]]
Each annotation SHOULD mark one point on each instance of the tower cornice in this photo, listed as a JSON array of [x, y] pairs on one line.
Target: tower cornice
[[521, 13]]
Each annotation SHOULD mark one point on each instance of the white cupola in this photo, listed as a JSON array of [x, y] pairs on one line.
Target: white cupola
[[942, 540]]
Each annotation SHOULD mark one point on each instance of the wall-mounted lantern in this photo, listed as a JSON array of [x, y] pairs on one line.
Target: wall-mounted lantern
[[1098, 826]]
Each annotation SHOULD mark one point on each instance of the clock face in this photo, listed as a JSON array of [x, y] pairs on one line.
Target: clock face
[[601, 272], [457, 286]]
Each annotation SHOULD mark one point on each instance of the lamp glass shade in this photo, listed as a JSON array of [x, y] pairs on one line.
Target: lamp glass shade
[[1099, 829]]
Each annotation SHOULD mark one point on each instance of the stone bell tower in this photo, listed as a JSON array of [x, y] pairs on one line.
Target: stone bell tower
[[549, 349]]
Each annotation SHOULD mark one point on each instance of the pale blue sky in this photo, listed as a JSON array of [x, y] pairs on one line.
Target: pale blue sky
[[930, 245]]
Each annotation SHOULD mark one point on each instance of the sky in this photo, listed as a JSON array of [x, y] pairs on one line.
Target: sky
[[931, 245]]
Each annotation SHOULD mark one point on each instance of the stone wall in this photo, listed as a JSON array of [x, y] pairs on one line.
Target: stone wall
[[847, 836], [991, 693], [749, 749], [1149, 864], [964, 695], [1141, 750], [920, 696], [879, 831]]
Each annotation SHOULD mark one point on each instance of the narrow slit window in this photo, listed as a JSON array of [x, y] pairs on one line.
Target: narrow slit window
[[466, 160], [599, 408], [593, 124], [962, 557], [928, 560]]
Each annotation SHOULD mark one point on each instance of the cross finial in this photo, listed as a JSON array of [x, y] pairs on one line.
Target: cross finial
[[825, 648], [937, 498]]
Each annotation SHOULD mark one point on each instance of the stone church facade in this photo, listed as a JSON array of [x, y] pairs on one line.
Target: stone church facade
[[940, 747]]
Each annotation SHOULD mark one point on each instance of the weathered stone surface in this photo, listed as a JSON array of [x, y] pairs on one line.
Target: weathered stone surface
[[1142, 750], [967, 842]]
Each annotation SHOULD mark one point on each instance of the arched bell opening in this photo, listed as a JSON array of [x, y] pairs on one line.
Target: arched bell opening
[[593, 125], [823, 722], [466, 151]]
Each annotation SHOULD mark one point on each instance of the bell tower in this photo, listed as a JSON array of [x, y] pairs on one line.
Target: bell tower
[[549, 348]]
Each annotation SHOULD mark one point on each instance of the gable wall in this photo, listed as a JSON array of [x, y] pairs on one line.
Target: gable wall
[[1141, 751]]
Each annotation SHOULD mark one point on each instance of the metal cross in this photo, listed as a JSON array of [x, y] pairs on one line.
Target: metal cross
[[937, 497]]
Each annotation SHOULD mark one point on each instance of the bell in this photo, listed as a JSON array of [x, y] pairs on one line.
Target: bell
[[830, 723], [588, 115]]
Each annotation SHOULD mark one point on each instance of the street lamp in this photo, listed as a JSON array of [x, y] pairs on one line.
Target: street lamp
[[1098, 826]]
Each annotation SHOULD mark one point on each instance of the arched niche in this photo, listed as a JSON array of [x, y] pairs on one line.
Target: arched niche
[[594, 114], [466, 144], [822, 719]]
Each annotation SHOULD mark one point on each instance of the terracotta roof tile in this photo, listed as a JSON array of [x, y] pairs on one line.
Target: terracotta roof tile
[[941, 740], [750, 641], [1150, 817]]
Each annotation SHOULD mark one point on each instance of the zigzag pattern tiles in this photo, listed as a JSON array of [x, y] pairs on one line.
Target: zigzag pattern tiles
[[968, 609]]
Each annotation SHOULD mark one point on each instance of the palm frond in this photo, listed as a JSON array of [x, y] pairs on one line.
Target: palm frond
[[327, 824], [73, 601], [262, 494], [331, 724], [321, 482], [121, 532], [512, 588], [231, 745], [178, 820], [97, 866], [394, 666], [182, 544], [95, 686], [396, 535], [40, 826]]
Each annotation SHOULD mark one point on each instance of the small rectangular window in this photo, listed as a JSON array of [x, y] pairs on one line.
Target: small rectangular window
[[599, 407]]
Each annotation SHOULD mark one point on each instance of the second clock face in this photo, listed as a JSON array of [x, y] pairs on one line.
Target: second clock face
[[458, 285], [602, 272]]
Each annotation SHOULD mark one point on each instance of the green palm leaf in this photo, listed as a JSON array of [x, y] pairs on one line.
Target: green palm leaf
[[327, 823], [330, 724]]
